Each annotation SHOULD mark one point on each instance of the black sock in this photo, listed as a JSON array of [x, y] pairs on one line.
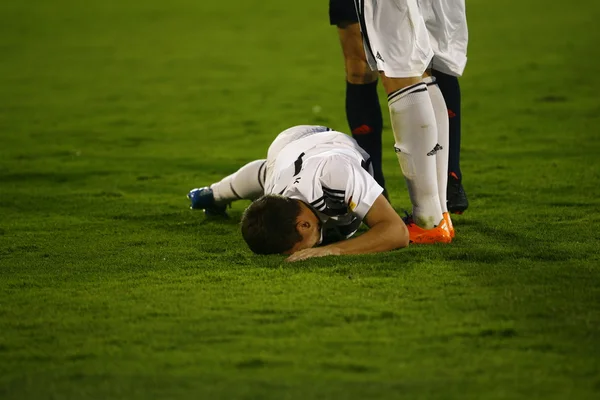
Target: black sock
[[364, 118], [450, 88]]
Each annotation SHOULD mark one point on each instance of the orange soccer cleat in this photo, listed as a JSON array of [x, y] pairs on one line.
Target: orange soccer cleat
[[449, 222], [418, 235]]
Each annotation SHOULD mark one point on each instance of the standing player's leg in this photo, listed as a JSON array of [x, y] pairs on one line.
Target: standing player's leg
[[396, 43], [446, 23], [442, 152], [363, 111], [415, 132], [449, 85], [247, 183]]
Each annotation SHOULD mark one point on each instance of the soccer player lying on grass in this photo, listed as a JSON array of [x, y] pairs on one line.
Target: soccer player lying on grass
[[314, 189]]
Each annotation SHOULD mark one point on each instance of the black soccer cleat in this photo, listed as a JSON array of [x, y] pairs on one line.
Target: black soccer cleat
[[204, 199], [457, 198]]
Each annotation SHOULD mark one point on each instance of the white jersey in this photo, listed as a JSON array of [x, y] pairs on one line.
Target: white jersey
[[326, 170]]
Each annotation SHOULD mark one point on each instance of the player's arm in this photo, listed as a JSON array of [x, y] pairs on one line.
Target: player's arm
[[363, 196], [386, 232]]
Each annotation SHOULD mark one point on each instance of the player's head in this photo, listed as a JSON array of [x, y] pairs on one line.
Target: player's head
[[276, 224]]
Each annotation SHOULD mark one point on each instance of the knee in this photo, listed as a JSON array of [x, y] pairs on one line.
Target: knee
[[393, 84], [358, 72]]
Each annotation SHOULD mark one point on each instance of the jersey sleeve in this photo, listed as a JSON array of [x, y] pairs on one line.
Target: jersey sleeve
[[346, 181]]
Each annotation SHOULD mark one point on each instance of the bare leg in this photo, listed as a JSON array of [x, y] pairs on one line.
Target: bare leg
[[363, 111]]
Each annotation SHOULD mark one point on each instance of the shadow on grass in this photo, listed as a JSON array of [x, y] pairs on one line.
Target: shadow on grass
[[526, 242]]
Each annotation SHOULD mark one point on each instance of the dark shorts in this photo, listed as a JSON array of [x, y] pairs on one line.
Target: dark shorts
[[342, 11]]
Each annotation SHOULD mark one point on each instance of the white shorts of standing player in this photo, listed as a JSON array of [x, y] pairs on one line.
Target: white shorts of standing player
[[446, 22], [414, 34], [395, 37]]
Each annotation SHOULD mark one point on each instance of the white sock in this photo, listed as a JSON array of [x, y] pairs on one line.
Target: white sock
[[415, 132], [443, 126], [247, 183]]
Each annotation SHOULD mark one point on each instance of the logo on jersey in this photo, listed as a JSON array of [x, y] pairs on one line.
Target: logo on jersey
[[435, 150], [378, 56], [352, 204]]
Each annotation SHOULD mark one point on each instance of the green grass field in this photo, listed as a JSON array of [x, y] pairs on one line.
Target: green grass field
[[111, 288]]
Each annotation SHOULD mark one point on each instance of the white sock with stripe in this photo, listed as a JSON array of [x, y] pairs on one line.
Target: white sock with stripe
[[443, 129], [247, 183], [415, 132]]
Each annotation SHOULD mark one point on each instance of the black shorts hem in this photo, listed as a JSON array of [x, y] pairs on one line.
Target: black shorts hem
[[341, 11]]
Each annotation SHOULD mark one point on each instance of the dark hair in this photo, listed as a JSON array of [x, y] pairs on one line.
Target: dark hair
[[269, 224]]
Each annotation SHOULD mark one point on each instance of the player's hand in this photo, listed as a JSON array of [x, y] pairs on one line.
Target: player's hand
[[313, 252]]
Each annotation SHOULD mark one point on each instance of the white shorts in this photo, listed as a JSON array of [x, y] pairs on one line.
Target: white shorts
[[446, 22], [395, 37], [286, 137]]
